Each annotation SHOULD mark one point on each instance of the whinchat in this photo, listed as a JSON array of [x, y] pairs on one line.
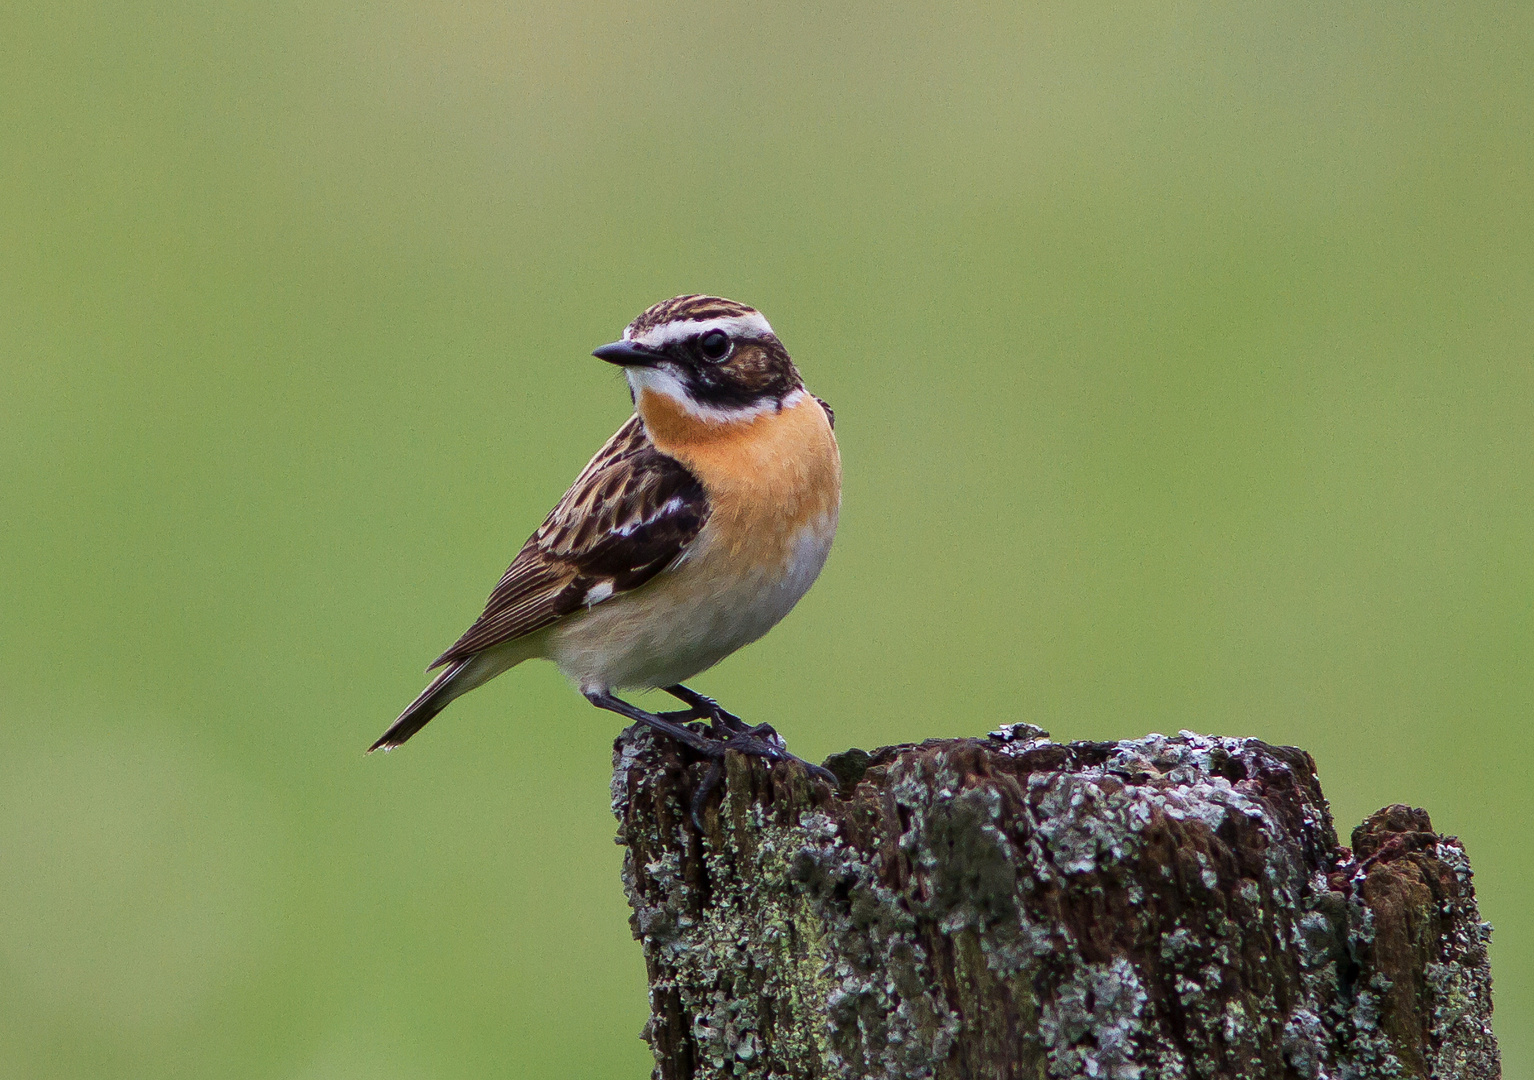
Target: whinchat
[[693, 531]]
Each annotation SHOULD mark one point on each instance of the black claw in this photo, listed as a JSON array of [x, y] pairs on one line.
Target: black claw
[[711, 780], [823, 773]]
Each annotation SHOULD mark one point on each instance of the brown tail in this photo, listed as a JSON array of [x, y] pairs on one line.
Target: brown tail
[[419, 712]]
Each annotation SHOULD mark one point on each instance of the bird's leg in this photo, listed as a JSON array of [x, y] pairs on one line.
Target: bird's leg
[[664, 723], [728, 726], [754, 742], [737, 734], [688, 715], [725, 724], [706, 708]]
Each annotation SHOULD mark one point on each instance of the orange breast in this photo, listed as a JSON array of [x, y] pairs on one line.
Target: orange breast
[[766, 477]]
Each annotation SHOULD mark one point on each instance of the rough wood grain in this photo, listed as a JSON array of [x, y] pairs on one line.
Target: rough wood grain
[[1013, 907]]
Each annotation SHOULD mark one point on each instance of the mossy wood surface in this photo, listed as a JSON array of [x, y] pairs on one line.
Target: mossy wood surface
[[1013, 907]]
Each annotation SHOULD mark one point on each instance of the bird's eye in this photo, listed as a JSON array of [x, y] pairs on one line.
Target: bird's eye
[[714, 345]]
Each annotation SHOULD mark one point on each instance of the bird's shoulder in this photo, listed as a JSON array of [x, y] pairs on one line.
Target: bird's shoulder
[[627, 492], [630, 514]]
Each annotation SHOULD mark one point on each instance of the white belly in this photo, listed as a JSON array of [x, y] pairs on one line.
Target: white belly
[[690, 617]]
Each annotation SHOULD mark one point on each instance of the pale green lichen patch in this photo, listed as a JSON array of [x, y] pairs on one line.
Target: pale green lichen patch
[[1092, 1023]]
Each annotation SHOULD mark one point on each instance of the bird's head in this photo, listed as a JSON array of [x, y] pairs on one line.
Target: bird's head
[[715, 359]]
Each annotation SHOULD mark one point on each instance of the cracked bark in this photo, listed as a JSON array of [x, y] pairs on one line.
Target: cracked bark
[[1013, 907]]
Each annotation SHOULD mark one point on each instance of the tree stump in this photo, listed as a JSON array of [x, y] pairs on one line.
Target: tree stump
[[1014, 907]]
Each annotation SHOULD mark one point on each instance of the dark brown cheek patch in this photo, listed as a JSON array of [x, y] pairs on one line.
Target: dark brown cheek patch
[[758, 371]]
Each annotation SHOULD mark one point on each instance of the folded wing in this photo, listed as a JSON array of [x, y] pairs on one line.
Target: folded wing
[[629, 515]]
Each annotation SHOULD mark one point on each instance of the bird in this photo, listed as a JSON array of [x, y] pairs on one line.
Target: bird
[[693, 531]]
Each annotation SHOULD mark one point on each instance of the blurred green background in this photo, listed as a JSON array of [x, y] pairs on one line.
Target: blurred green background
[[1183, 358]]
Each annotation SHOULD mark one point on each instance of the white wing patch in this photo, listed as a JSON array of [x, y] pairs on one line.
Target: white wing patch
[[629, 528], [597, 593]]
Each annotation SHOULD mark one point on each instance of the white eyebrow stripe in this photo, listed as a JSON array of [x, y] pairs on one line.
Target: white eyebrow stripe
[[740, 326]]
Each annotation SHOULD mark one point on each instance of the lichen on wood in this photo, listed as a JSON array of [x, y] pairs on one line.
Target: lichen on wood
[[1155, 909]]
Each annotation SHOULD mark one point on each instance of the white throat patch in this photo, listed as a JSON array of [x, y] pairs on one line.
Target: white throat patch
[[737, 326]]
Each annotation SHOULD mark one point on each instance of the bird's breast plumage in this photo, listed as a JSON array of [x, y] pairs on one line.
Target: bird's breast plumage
[[773, 484], [766, 477]]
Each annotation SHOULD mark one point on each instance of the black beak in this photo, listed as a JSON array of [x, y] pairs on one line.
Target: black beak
[[626, 354]]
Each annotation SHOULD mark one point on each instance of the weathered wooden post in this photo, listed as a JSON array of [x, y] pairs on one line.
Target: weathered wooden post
[[1013, 907]]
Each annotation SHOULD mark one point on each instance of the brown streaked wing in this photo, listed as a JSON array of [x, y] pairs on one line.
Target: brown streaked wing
[[628, 516]]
